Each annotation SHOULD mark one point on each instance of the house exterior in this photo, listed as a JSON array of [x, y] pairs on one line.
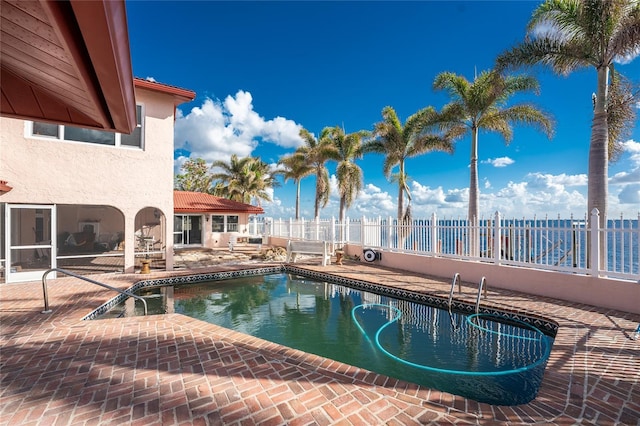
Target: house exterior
[[88, 200], [204, 220]]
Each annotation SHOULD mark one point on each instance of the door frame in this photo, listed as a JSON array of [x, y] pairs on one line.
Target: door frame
[[13, 275]]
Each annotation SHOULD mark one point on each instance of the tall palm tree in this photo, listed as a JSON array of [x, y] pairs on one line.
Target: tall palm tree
[[481, 105], [349, 148], [571, 34], [399, 142], [318, 152], [295, 166]]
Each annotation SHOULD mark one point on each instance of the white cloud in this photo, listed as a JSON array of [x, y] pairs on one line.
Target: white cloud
[[499, 162], [216, 130], [630, 194], [555, 183], [151, 79], [633, 148]]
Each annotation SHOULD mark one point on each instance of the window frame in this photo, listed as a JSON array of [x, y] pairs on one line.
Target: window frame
[[215, 223], [226, 224], [117, 140]]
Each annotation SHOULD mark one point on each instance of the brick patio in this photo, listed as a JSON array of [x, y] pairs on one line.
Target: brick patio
[[170, 369]]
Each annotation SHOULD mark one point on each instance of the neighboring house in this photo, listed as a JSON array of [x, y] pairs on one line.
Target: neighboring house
[[204, 220], [89, 200]]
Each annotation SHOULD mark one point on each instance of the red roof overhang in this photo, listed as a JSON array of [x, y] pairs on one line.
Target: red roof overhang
[[199, 202], [67, 62], [179, 95]]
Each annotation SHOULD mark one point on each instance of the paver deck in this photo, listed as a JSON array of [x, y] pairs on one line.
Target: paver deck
[[170, 369]]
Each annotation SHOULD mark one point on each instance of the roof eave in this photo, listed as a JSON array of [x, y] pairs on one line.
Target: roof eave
[[93, 35]]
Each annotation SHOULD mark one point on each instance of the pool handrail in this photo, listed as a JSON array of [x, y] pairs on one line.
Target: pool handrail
[[482, 284], [456, 277], [73, 274]]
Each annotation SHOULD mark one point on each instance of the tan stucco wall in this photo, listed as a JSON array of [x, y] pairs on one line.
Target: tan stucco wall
[[53, 172], [601, 292]]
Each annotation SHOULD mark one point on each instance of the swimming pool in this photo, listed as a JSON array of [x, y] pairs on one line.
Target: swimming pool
[[487, 357]]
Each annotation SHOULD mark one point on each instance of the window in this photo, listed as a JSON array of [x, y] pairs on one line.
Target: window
[[45, 129], [232, 223], [220, 223], [79, 134], [135, 138], [217, 223]]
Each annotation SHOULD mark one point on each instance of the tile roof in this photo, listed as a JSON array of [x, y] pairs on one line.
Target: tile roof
[[186, 201]]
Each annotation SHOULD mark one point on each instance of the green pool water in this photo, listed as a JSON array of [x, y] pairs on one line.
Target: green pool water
[[478, 357]]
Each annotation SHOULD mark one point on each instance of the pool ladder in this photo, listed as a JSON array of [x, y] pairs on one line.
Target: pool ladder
[[456, 278], [482, 285], [89, 280]]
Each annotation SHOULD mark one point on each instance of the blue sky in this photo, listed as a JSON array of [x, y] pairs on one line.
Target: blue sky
[[263, 70]]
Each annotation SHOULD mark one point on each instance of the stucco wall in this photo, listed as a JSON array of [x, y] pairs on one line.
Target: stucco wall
[[600, 292], [43, 171]]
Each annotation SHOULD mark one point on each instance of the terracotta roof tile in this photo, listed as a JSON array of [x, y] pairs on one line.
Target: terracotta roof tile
[[185, 201]]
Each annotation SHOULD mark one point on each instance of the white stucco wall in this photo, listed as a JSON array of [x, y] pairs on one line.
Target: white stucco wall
[[45, 171]]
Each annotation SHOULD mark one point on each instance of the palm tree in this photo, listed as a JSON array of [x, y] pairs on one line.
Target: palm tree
[[349, 148], [295, 167], [580, 34], [230, 178], [318, 152], [260, 179], [243, 179], [398, 143], [481, 105]]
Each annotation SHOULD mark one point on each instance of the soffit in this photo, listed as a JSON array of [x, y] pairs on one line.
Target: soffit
[[67, 62]]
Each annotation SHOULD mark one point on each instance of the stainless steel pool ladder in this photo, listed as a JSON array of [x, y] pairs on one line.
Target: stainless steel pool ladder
[[457, 278], [481, 285], [64, 271]]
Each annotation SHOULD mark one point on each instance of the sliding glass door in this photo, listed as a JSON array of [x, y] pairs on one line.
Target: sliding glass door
[[187, 230]]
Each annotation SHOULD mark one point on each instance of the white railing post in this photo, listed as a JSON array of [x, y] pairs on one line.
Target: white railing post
[[434, 234], [594, 252], [347, 232], [391, 234], [497, 238], [332, 231], [363, 232]]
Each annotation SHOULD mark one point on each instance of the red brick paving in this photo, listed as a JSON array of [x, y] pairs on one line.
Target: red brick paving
[[169, 369]]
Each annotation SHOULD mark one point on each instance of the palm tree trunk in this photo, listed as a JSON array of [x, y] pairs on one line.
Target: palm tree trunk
[[297, 199], [316, 213], [599, 156], [472, 216]]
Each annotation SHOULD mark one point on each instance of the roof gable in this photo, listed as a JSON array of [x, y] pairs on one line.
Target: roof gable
[[200, 202]]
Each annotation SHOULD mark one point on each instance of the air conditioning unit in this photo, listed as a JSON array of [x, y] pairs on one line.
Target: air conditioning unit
[[371, 255]]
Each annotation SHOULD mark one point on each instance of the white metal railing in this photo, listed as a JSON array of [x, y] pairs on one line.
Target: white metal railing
[[568, 245]]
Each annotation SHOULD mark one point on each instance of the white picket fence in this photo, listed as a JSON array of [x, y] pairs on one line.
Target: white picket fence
[[567, 245]]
